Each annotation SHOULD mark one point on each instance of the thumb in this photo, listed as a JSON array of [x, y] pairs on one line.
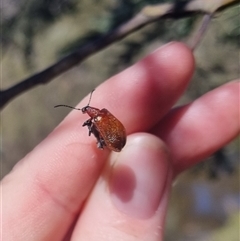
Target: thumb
[[129, 201]]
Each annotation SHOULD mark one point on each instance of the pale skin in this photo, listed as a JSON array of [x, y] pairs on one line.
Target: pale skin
[[67, 189]]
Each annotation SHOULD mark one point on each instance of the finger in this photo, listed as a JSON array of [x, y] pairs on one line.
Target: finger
[[52, 182], [143, 93], [129, 201], [195, 131]]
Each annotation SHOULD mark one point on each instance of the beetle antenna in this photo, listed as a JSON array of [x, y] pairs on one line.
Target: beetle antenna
[[90, 97], [67, 106], [74, 107]]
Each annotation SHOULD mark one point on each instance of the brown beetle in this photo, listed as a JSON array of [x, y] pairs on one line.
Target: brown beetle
[[107, 129]]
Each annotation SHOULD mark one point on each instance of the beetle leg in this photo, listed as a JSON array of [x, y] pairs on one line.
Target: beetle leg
[[89, 124], [100, 143], [93, 130]]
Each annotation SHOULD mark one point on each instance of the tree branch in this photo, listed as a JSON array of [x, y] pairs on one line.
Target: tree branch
[[199, 33], [147, 15]]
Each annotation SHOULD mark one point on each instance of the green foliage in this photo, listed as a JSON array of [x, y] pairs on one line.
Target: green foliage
[[79, 42], [31, 18], [230, 231]]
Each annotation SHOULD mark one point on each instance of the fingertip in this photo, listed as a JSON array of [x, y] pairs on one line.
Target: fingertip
[[129, 202], [176, 59], [194, 131], [139, 175]]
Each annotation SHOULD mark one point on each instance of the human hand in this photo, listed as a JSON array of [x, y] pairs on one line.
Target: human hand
[[67, 189]]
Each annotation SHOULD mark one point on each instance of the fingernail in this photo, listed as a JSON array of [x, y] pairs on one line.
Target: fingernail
[[139, 176]]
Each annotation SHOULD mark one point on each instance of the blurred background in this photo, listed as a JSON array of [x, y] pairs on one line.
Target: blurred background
[[35, 34]]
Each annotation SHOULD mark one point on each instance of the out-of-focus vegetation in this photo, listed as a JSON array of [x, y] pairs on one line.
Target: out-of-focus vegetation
[[37, 33]]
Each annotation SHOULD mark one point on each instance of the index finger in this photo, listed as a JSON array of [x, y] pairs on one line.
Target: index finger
[[46, 190]]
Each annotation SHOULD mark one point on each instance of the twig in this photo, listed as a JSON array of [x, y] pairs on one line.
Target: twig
[[199, 34], [148, 15]]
